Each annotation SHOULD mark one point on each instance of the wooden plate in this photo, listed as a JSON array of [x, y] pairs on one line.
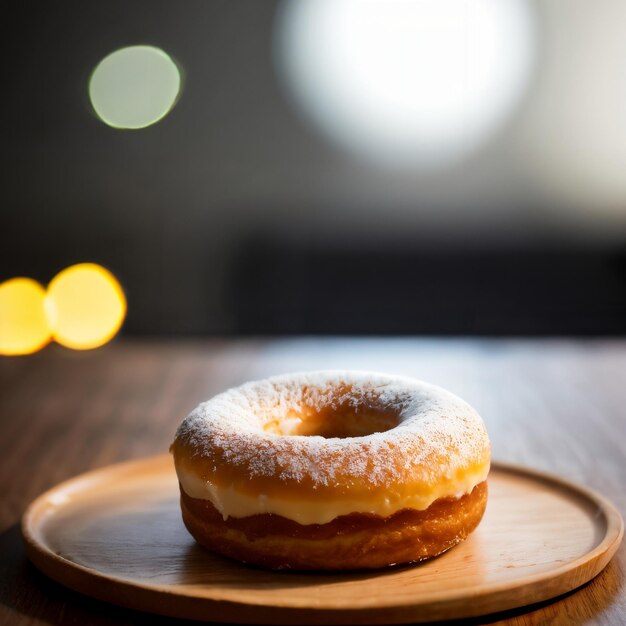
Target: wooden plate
[[116, 534]]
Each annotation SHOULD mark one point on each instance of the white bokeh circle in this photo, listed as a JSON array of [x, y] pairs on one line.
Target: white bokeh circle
[[134, 87], [396, 81]]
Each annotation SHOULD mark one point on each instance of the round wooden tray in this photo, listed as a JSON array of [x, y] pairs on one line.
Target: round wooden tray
[[116, 534]]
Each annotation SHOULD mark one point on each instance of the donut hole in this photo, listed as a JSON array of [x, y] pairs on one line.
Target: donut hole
[[334, 422]]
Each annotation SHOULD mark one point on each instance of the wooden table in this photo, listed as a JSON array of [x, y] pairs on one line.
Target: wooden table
[[554, 405]]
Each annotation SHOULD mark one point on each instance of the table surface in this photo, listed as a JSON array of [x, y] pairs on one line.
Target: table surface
[[555, 405]]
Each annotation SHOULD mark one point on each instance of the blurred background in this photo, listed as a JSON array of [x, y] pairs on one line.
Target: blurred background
[[323, 166]]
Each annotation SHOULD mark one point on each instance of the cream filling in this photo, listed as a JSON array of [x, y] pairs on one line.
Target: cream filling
[[230, 503]]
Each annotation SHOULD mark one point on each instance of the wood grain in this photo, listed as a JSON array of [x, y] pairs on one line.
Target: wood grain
[[553, 405], [116, 534]]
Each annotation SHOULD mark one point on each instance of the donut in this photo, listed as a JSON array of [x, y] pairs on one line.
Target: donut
[[332, 470]]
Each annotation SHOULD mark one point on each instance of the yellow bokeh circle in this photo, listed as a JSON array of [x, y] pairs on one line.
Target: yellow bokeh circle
[[23, 324], [85, 305]]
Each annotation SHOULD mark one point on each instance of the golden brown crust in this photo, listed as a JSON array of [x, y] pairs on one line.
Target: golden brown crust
[[355, 541], [324, 435]]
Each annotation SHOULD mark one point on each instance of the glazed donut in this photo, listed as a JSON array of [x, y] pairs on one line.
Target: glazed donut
[[332, 470]]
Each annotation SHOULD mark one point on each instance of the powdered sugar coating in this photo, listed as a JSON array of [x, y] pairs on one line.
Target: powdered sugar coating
[[439, 435]]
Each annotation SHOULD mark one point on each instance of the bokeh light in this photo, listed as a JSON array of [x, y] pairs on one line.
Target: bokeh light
[[134, 87], [397, 81], [575, 130], [23, 324], [85, 305]]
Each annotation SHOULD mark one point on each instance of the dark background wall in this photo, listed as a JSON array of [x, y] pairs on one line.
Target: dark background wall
[[234, 215]]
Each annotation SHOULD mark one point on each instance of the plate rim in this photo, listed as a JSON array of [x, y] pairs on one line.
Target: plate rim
[[82, 577]]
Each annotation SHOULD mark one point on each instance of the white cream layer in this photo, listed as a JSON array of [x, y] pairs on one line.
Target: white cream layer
[[230, 503]]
